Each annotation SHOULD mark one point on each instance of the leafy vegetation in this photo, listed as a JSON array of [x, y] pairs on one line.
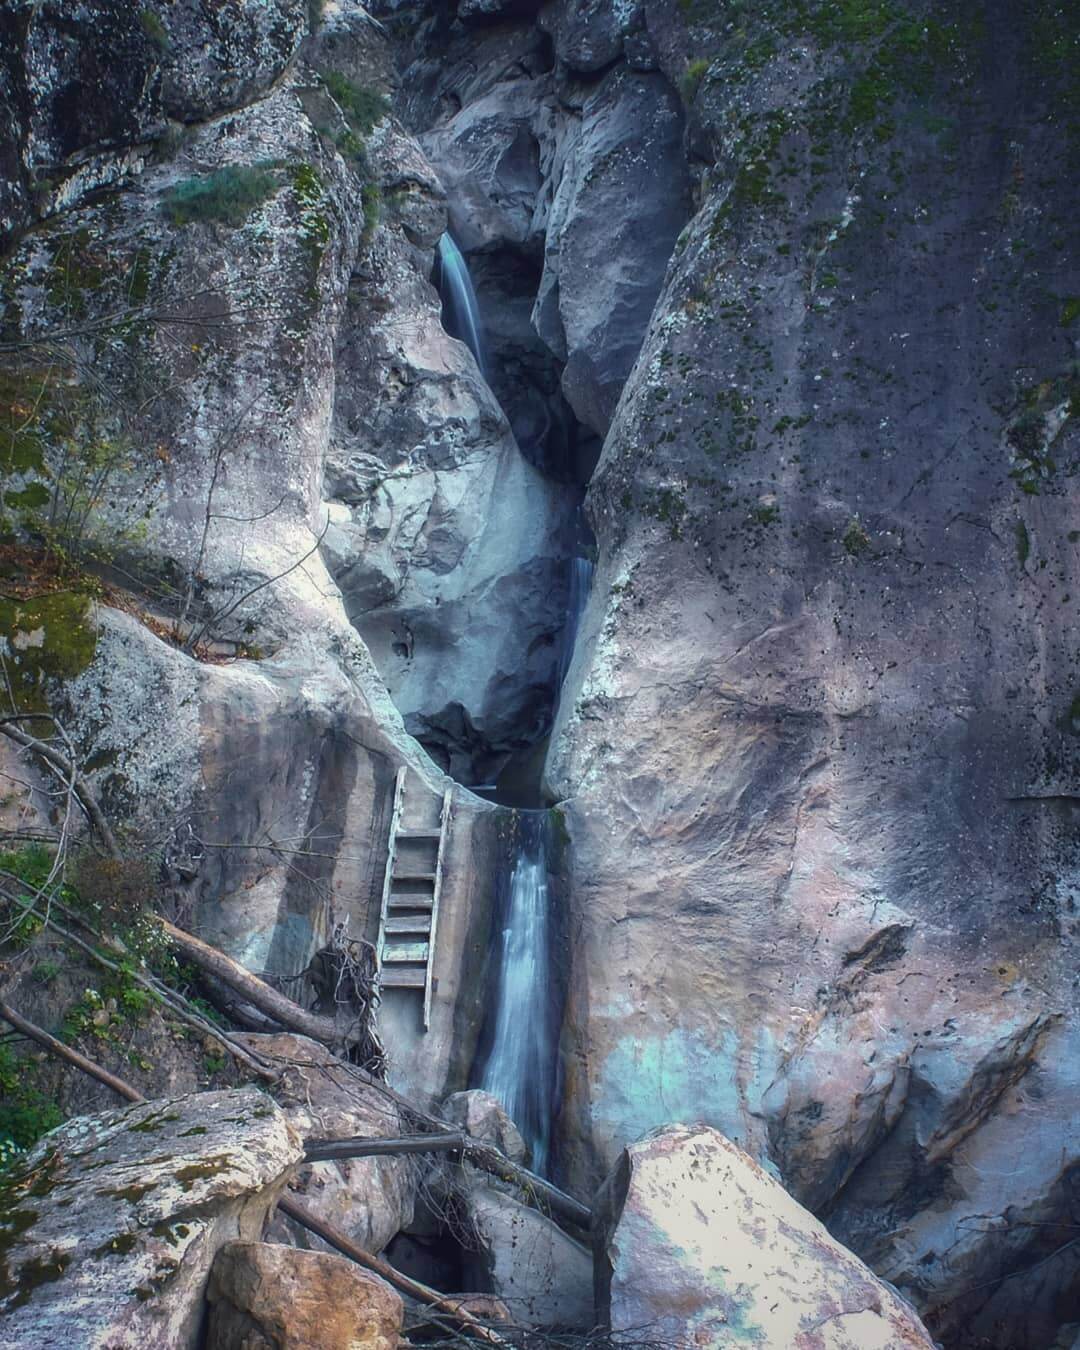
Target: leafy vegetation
[[692, 77], [371, 199], [362, 107], [227, 196], [154, 29], [855, 539], [26, 1110]]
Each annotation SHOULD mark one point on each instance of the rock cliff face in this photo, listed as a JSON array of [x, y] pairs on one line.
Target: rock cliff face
[[808, 272], [225, 386], [820, 755]]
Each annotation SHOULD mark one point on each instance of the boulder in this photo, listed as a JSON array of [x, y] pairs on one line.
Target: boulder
[[111, 1224], [699, 1244], [525, 1259], [604, 261], [370, 1199], [267, 1297], [483, 1116]]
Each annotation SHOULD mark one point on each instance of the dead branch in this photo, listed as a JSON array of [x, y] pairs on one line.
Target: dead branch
[[36, 1033], [329, 1150], [295, 1211], [485, 1156], [64, 765], [167, 997], [421, 1292]]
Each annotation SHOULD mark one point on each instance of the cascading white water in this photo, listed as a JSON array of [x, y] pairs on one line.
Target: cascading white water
[[520, 1069], [581, 575], [461, 314]]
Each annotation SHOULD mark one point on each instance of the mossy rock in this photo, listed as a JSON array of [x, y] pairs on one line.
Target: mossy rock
[[48, 637]]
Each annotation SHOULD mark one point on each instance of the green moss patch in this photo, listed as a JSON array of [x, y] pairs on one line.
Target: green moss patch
[[362, 107], [227, 196], [46, 637]]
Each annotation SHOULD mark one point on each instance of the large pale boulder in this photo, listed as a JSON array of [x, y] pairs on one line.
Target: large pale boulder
[[110, 1225], [267, 1297], [483, 1116], [699, 1244], [542, 1275], [371, 1199]]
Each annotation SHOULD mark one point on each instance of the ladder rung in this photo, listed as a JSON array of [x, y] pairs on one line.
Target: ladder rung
[[414, 923], [413, 876], [407, 900], [419, 834], [403, 978], [406, 951]]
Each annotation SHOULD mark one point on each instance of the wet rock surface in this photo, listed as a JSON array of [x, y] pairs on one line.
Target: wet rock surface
[[112, 1222]]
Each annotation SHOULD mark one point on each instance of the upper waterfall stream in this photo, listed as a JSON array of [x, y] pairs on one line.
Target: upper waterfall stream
[[461, 313]]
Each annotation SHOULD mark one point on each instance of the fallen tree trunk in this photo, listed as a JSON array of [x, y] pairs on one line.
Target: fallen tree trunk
[[330, 1150], [298, 1213], [255, 991], [485, 1156], [340, 1242], [42, 1037], [208, 959]]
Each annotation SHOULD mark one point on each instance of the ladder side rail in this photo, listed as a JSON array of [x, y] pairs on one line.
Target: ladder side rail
[[444, 829], [388, 875]]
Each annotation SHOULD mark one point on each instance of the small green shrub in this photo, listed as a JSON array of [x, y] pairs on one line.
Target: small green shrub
[[45, 971], [154, 29], [228, 195], [691, 79], [856, 541], [372, 203], [363, 107], [26, 1113]]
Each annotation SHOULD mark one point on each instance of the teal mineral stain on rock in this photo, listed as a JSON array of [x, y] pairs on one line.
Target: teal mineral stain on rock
[[649, 1081]]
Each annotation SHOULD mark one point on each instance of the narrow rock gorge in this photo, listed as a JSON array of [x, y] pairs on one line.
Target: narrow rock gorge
[[538, 622]]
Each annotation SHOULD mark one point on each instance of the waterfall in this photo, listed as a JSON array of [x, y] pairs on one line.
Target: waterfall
[[520, 1069], [461, 314], [581, 575]]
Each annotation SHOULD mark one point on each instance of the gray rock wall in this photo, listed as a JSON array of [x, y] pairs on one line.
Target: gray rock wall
[[819, 756]]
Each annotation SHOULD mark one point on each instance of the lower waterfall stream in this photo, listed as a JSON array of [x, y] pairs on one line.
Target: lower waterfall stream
[[520, 1069], [521, 1066]]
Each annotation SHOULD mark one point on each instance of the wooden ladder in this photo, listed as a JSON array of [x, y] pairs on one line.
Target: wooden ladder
[[409, 917]]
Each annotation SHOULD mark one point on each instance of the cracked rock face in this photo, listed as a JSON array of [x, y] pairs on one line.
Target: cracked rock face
[[817, 741], [112, 1222], [702, 1247]]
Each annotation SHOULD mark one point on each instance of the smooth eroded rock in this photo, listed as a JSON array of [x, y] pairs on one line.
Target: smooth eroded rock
[[370, 1199], [110, 1225], [697, 1243], [268, 1297]]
